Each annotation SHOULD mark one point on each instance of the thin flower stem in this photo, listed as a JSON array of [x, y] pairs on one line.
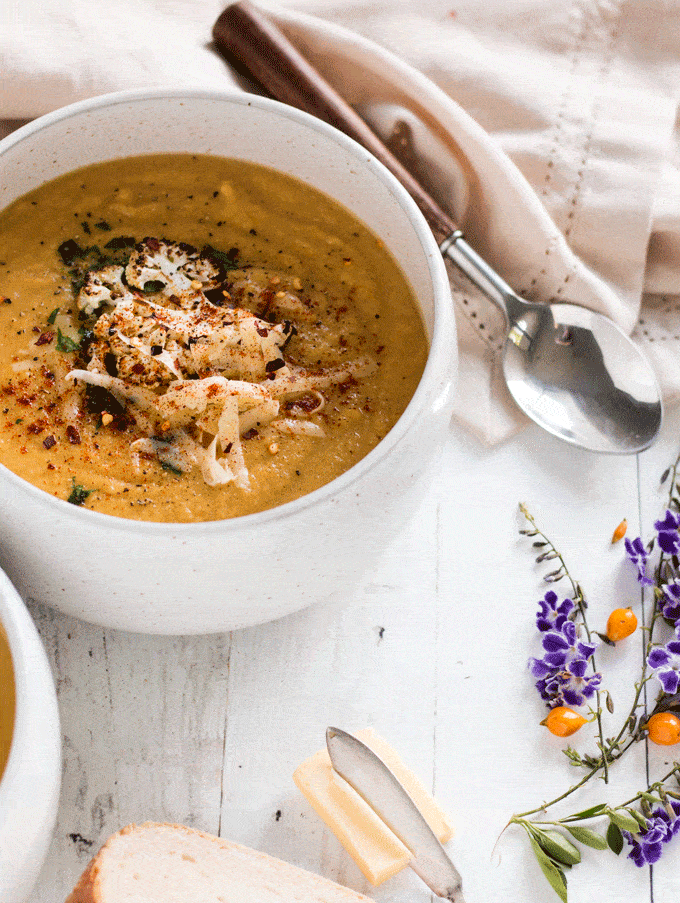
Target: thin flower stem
[[577, 596], [559, 798], [657, 785]]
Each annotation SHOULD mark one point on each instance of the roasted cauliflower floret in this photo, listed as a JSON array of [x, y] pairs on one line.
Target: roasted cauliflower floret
[[176, 269], [102, 287]]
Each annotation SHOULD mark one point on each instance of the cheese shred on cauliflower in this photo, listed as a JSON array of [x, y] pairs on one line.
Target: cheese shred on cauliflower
[[197, 374]]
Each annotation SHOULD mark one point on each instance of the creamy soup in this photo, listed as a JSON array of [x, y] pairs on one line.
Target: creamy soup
[[7, 700], [193, 338]]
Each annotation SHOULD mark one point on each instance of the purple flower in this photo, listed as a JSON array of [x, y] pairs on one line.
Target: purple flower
[[552, 616], [647, 846], [669, 603], [561, 672], [669, 538], [570, 687], [638, 555], [665, 660]]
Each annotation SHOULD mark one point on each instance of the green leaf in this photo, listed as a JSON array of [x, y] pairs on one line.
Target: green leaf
[[640, 819], [65, 343], [53, 316], [554, 875], [587, 813], [614, 838], [623, 820], [588, 837], [557, 846]]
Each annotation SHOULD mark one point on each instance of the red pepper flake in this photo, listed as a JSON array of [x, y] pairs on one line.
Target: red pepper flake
[[251, 433], [35, 428], [348, 383], [138, 368], [73, 435], [49, 442], [51, 467], [306, 403], [153, 243], [276, 364], [45, 338]]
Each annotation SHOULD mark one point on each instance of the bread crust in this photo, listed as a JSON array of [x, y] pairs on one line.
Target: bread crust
[[89, 887]]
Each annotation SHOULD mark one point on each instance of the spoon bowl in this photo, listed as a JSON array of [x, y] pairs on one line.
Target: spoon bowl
[[582, 379]]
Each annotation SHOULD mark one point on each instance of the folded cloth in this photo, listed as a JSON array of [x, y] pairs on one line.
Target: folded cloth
[[547, 128]]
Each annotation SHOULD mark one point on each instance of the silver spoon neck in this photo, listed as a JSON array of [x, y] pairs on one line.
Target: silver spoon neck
[[483, 276]]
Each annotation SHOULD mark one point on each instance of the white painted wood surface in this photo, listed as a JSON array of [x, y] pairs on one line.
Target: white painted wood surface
[[431, 650]]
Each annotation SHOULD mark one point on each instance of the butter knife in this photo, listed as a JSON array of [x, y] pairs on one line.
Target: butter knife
[[377, 785]]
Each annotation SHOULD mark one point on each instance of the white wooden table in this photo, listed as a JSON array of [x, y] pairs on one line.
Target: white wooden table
[[431, 650]]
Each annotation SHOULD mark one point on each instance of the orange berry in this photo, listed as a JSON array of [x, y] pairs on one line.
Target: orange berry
[[563, 722], [664, 729], [620, 531], [621, 623]]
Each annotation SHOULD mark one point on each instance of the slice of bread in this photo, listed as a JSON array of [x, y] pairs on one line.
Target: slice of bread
[[163, 863]]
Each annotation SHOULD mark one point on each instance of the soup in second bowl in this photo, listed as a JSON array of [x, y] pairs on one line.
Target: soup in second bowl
[[7, 700]]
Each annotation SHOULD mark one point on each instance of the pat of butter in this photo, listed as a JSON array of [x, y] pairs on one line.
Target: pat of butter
[[375, 849]]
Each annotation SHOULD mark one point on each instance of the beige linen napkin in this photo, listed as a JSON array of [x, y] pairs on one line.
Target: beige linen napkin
[[547, 127]]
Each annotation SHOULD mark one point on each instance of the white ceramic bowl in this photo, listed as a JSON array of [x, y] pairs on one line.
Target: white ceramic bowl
[[29, 787], [210, 577]]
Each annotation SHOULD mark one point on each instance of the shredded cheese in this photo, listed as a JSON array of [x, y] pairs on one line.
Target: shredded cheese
[[198, 376]]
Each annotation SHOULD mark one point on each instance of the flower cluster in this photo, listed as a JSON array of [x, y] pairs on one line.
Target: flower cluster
[[566, 676], [670, 601], [562, 672], [638, 555], [662, 825], [667, 533], [664, 660]]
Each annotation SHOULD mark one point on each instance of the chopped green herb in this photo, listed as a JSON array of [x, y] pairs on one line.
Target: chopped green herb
[[78, 493], [19, 420], [228, 259], [122, 241], [69, 250], [103, 225], [65, 343], [171, 468], [53, 316], [153, 285], [85, 226]]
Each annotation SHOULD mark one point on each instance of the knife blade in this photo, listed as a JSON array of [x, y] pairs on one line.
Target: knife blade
[[377, 785]]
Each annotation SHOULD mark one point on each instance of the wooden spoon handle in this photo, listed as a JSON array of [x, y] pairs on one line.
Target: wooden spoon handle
[[243, 34]]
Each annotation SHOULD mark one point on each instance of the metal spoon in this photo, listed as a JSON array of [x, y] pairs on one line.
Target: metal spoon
[[571, 370]]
